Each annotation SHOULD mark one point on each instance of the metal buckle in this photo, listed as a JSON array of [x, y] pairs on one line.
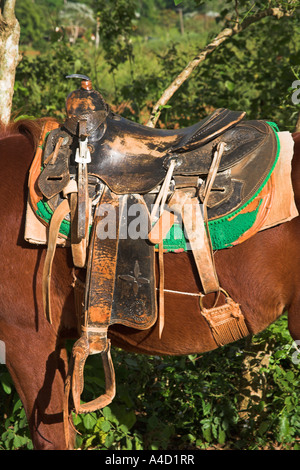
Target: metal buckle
[[83, 155]]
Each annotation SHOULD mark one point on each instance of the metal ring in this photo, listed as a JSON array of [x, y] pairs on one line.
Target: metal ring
[[203, 295]]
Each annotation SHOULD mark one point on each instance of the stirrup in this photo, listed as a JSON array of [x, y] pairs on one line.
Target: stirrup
[[80, 353]]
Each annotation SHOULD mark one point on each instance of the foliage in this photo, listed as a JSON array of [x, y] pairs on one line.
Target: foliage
[[76, 16], [116, 19], [249, 73], [41, 87], [132, 70], [185, 402], [193, 402], [13, 428], [33, 21]]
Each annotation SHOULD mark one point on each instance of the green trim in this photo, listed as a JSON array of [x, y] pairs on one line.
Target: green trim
[[223, 235], [273, 125], [175, 239], [45, 213]]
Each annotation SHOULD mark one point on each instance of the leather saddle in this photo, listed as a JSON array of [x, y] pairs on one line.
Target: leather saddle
[[97, 160], [132, 158]]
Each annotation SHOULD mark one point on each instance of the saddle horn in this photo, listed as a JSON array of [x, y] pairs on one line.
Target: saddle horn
[[78, 75], [85, 100]]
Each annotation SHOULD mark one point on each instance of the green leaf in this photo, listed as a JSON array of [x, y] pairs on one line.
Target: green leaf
[[107, 412], [284, 428], [263, 427], [290, 376], [128, 443], [105, 426], [17, 406], [109, 439], [89, 421], [24, 116], [6, 384], [229, 85], [164, 106], [206, 431], [19, 441], [89, 441], [222, 437], [124, 429]]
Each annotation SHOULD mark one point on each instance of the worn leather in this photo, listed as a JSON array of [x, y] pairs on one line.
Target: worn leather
[[131, 158]]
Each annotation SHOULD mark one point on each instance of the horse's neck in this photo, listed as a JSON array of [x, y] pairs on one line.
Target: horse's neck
[[16, 154]]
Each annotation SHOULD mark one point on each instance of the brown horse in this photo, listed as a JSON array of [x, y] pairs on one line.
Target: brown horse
[[262, 275]]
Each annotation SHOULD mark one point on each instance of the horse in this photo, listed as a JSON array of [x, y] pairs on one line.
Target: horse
[[262, 275]]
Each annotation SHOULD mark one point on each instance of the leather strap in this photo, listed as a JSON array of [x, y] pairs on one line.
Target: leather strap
[[160, 230], [99, 291], [59, 214], [163, 193], [78, 245], [203, 252], [161, 309], [197, 236]]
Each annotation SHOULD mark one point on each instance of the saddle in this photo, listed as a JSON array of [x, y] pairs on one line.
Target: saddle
[[120, 186]]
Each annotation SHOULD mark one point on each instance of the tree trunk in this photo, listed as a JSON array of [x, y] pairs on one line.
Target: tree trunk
[[9, 56]]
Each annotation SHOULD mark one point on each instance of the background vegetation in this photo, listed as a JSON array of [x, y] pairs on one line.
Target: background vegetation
[[132, 50]]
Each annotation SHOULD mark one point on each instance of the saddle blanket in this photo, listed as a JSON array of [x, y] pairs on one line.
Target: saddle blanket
[[225, 232]]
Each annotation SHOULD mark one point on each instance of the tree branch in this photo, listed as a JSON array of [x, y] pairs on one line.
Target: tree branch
[[219, 39]]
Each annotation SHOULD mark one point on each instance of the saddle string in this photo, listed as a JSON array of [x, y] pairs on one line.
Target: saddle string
[[160, 201], [163, 193]]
